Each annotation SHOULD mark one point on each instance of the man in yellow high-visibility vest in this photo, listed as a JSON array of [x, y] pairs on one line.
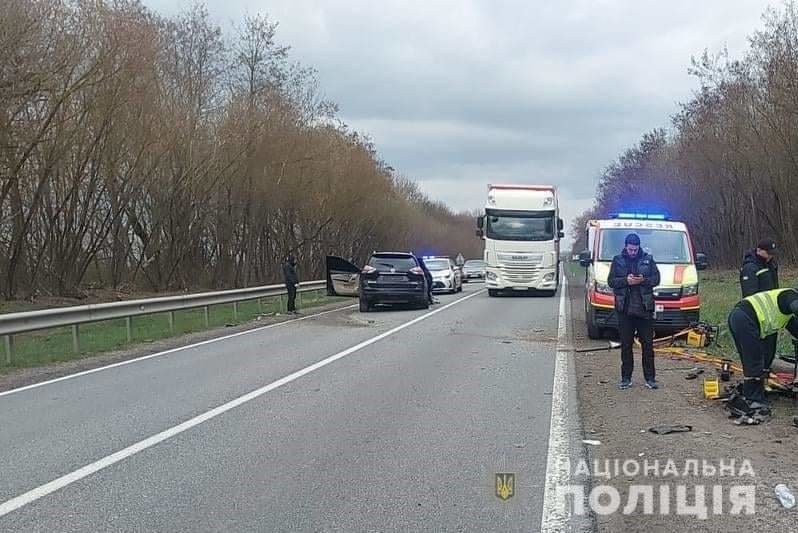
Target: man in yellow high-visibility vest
[[755, 318]]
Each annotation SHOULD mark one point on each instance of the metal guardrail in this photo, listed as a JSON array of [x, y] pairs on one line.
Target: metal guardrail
[[15, 323]]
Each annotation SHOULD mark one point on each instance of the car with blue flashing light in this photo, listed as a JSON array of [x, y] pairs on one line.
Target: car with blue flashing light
[[677, 300]]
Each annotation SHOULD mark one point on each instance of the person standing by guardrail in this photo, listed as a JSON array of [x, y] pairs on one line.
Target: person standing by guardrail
[[633, 276], [291, 282], [759, 273]]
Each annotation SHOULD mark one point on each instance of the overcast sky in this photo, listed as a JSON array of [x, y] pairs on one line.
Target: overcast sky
[[458, 94]]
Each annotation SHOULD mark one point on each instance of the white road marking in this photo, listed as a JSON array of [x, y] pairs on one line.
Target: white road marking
[[556, 511], [63, 481]]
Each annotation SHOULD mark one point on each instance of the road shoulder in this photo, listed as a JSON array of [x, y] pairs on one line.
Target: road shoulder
[[618, 422]]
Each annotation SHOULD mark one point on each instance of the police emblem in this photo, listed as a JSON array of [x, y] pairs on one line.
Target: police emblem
[[505, 486]]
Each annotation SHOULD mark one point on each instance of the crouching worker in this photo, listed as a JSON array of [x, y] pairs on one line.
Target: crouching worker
[[751, 321]]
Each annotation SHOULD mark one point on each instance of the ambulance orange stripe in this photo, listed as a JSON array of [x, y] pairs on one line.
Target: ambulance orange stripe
[[678, 274]]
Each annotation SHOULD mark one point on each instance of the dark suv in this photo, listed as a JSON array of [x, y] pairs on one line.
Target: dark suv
[[392, 277]]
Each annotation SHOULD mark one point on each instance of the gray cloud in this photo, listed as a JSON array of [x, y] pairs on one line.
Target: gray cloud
[[457, 94]]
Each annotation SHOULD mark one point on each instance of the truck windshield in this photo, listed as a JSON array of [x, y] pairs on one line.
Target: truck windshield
[[520, 227], [666, 246]]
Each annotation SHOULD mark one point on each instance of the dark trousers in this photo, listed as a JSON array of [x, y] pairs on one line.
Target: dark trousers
[[644, 327], [752, 350], [291, 297], [769, 345]]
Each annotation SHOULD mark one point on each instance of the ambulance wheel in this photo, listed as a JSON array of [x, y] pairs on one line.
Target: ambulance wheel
[[593, 331]]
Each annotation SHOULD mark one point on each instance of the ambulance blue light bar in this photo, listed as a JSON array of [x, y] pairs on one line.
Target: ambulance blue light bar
[[642, 216]]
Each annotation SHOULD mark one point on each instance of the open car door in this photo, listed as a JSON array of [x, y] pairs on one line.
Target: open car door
[[343, 278]]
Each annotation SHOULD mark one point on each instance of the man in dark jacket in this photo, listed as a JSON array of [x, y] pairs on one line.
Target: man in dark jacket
[[759, 273], [428, 278], [633, 276], [291, 282]]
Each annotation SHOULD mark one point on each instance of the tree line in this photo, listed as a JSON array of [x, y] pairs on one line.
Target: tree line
[[159, 153], [728, 163]]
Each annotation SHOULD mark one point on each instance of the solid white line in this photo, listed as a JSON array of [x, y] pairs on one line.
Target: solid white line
[[556, 511], [172, 350], [63, 481]]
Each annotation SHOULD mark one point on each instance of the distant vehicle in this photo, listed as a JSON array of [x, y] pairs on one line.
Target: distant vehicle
[[446, 276], [677, 303], [522, 229], [387, 278], [474, 269]]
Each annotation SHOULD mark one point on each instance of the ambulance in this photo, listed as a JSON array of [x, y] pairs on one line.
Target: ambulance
[[677, 301]]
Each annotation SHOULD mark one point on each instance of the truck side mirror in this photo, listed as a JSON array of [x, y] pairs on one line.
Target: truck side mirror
[[561, 234], [701, 262], [480, 222], [560, 224], [584, 258], [480, 233]]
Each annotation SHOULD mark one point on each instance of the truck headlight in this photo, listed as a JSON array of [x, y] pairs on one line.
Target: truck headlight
[[690, 290], [603, 288], [492, 276], [549, 277]]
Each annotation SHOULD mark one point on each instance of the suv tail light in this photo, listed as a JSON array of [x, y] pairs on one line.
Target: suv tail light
[[417, 271]]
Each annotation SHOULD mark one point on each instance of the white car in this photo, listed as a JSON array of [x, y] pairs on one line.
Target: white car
[[474, 269], [446, 276]]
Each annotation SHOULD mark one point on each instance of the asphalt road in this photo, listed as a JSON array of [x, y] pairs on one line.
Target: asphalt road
[[402, 430]]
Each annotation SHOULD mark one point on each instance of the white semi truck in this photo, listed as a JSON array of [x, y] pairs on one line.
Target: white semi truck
[[522, 229]]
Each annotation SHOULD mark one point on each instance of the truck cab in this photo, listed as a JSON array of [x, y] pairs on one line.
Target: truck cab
[[522, 229], [677, 300]]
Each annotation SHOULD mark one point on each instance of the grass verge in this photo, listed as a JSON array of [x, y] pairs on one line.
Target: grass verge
[[720, 291], [55, 345]]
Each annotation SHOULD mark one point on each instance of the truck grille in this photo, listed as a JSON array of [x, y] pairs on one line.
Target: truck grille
[[520, 267], [519, 274]]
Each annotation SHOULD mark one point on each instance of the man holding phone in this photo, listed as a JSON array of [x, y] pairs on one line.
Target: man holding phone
[[633, 276]]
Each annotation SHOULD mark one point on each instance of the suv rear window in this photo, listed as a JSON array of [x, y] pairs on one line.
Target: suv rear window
[[400, 263]]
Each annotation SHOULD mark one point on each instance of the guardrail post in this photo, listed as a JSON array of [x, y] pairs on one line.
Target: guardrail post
[[207, 313], [280, 308], [260, 306], [171, 321], [75, 338], [235, 311], [9, 342], [299, 298], [129, 328]]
